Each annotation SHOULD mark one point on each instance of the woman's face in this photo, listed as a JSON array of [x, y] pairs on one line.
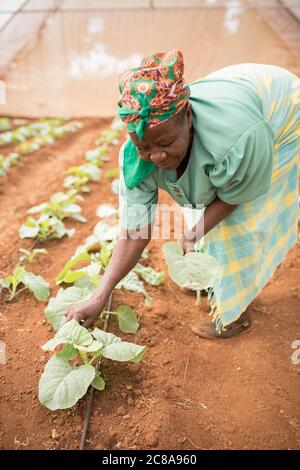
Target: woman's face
[[165, 145]]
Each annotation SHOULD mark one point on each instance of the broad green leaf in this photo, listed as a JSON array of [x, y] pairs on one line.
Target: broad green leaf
[[105, 210], [70, 333], [65, 298], [127, 319], [152, 277], [98, 382], [171, 251], [26, 231], [94, 347], [85, 283], [105, 232], [132, 283], [91, 271], [68, 352], [123, 351], [39, 208], [4, 284], [196, 270], [62, 385], [36, 284], [83, 256], [104, 337], [89, 243]]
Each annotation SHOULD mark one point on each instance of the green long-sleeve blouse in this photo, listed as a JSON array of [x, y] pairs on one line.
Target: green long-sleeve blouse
[[231, 154]]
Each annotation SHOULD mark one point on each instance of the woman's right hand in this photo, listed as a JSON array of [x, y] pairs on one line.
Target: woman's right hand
[[87, 311], [125, 256]]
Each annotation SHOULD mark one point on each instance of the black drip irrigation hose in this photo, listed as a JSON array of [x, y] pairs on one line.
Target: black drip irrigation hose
[[92, 391]]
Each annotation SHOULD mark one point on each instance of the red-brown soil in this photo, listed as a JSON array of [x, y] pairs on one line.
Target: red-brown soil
[[187, 393]]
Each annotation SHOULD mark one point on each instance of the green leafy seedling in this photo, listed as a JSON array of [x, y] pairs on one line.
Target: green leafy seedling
[[112, 173], [29, 255], [46, 227], [36, 284], [98, 155], [61, 205], [79, 176], [62, 383], [5, 124]]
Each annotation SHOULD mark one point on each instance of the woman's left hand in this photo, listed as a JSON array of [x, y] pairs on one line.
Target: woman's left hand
[[187, 244]]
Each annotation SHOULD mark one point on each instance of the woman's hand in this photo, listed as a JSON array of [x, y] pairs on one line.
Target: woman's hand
[[125, 256], [214, 213], [187, 244], [87, 311]]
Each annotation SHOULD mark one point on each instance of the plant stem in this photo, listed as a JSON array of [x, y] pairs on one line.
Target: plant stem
[[93, 359], [84, 356], [198, 301]]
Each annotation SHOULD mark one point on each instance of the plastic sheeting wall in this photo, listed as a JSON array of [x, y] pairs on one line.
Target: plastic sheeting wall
[[73, 65]]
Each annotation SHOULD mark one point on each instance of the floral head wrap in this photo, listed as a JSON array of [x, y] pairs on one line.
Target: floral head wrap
[[153, 92], [150, 95]]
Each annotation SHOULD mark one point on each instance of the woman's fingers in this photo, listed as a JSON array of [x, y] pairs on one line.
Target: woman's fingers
[[187, 246], [69, 315], [73, 314], [88, 322]]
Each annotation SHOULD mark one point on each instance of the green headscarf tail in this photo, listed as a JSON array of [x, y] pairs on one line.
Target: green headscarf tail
[[135, 170]]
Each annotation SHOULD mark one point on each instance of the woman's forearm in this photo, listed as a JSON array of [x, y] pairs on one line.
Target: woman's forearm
[[215, 213], [125, 256]]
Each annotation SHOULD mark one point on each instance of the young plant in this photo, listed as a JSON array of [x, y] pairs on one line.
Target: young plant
[[107, 211], [193, 270], [4, 124], [109, 136], [97, 156], [46, 227], [20, 277], [29, 255], [61, 205], [71, 371], [44, 131], [133, 283], [19, 121], [152, 277], [43, 139], [81, 175], [27, 147], [103, 239], [117, 124], [6, 162], [112, 173]]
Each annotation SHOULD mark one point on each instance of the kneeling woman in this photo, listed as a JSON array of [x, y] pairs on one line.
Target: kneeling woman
[[229, 141]]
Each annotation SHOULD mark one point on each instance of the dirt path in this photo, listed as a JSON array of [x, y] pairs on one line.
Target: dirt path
[[187, 393]]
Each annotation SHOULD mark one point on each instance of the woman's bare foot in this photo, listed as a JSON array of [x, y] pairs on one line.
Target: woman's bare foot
[[207, 329]]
